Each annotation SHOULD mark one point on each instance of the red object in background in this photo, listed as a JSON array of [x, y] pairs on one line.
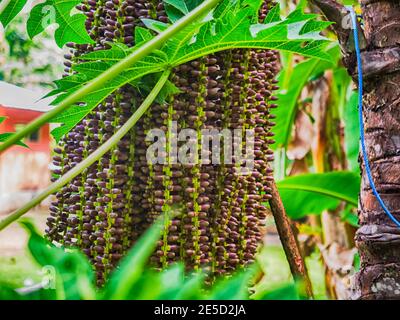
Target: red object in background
[[23, 171], [20, 106], [17, 117]]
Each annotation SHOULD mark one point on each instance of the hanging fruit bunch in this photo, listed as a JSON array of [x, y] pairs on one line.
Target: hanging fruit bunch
[[105, 209]]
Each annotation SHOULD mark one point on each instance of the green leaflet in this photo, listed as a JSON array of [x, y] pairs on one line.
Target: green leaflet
[[236, 30], [184, 6], [6, 135], [155, 25], [142, 35], [9, 9], [74, 275], [314, 193], [291, 86], [71, 27], [176, 9], [74, 114], [274, 15], [232, 27]]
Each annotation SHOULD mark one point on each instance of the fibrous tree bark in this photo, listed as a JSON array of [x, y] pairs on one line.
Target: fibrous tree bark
[[378, 238]]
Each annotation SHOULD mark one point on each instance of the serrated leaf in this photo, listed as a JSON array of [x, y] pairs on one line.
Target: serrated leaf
[[155, 25], [148, 83], [314, 25], [273, 16], [254, 4], [231, 29], [71, 26], [238, 31], [9, 9], [176, 9], [184, 6], [74, 114], [142, 35], [6, 135], [314, 193]]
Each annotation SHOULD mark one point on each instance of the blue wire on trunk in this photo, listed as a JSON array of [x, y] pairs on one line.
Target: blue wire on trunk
[[361, 119]]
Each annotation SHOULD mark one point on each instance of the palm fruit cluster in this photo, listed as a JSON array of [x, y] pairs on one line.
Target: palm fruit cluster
[[221, 212]]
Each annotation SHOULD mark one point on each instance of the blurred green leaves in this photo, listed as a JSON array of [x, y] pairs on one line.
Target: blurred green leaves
[[133, 265], [176, 9], [288, 292], [314, 193], [291, 83], [352, 132], [9, 9], [6, 135], [74, 274], [73, 278]]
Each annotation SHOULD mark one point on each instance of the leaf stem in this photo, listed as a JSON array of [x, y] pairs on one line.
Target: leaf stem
[[114, 71], [95, 156]]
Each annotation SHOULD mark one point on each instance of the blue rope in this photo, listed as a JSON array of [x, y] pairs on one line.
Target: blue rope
[[360, 114]]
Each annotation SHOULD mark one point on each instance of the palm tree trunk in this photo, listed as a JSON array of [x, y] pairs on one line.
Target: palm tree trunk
[[378, 239]]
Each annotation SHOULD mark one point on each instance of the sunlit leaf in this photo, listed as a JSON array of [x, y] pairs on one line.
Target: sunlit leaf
[[71, 26], [9, 9], [314, 193], [176, 9], [291, 86]]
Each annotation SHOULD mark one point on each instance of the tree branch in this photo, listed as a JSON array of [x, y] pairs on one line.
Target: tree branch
[[288, 240]]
